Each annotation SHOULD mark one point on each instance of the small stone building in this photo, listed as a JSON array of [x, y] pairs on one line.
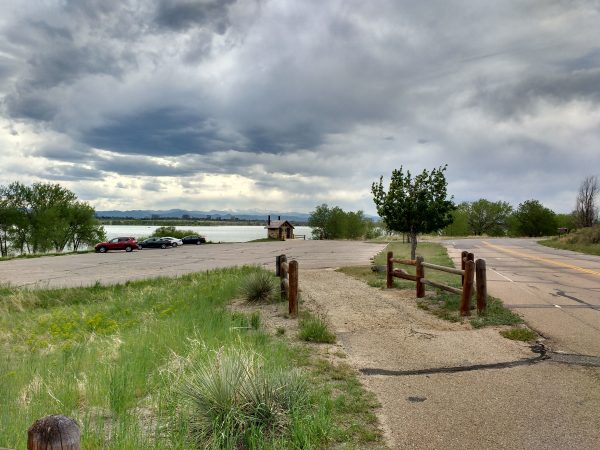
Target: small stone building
[[279, 229]]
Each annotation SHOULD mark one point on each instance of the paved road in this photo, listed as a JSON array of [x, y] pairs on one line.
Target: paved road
[[118, 267], [556, 291]]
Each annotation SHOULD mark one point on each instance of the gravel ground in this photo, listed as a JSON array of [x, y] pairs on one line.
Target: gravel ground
[[480, 409]]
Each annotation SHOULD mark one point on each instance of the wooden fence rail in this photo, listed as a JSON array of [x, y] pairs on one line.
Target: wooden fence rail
[[288, 276], [468, 271]]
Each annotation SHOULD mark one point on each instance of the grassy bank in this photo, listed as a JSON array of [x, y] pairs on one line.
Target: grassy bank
[[438, 302], [586, 240], [137, 365]]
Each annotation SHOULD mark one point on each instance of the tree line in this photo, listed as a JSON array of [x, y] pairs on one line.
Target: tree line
[[45, 217], [420, 204]]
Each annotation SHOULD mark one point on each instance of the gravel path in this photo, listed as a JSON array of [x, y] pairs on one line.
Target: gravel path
[[386, 337]]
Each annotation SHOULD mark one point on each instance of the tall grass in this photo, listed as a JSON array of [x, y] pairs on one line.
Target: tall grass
[[105, 356]]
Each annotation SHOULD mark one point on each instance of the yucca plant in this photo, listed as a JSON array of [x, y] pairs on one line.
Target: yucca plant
[[234, 397], [258, 287]]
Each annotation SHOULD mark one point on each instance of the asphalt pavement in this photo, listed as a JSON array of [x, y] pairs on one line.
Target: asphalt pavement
[[119, 266], [557, 292]]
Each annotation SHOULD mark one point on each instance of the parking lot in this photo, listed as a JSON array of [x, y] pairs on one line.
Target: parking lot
[[119, 266]]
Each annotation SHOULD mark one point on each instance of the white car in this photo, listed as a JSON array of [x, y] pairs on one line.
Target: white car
[[175, 241]]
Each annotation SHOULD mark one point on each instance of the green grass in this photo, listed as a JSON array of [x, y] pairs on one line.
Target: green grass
[[313, 328], [519, 334], [443, 304], [115, 358], [354, 422], [590, 249]]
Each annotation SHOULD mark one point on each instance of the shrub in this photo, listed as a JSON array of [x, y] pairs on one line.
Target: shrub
[[234, 398], [314, 329], [258, 287]]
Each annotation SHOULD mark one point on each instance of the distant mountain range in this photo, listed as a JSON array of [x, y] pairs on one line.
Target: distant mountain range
[[212, 215]]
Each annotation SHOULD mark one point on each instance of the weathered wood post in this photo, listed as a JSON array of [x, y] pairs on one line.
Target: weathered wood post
[[390, 270], [278, 265], [283, 271], [420, 274], [463, 260], [481, 284], [293, 287], [54, 433], [465, 298]]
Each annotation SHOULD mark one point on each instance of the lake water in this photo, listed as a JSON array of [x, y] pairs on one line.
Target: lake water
[[217, 233]]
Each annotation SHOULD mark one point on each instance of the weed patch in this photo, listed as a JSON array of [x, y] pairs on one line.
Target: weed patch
[[520, 334], [313, 328]]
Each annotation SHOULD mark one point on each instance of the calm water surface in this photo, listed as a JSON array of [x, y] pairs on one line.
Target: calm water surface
[[219, 233]]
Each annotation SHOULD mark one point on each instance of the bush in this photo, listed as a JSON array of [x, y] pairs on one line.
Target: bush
[[235, 399], [314, 329], [172, 232], [258, 287]]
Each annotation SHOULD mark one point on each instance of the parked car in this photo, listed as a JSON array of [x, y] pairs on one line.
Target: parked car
[[194, 239], [119, 243], [156, 243], [176, 241]]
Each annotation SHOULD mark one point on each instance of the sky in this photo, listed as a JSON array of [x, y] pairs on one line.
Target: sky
[[283, 105]]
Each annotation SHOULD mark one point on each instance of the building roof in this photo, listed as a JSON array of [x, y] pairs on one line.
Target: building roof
[[278, 224]]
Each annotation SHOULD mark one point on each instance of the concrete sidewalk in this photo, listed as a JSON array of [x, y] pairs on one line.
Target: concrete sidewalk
[[522, 403]]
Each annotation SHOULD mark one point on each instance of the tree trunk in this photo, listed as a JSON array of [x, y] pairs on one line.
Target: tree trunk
[[413, 245]]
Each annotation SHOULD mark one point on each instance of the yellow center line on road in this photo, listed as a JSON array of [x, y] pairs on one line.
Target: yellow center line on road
[[546, 260]]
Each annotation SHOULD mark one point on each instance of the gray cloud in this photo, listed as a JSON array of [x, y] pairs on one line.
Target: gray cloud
[[183, 14], [318, 97]]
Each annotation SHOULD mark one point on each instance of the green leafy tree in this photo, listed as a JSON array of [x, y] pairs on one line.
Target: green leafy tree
[[485, 217], [459, 225], [45, 217], [568, 221], [534, 219], [317, 220], [335, 223], [414, 206], [84, 228]]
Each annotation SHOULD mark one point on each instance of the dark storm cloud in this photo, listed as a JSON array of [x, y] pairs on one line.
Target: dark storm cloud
[[183, 14], [165, 131], [522, 97]]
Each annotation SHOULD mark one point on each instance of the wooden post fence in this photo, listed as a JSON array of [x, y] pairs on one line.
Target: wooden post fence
[[468, 271], [288, 275]]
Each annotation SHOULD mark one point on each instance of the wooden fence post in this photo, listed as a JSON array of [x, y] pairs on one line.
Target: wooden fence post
[[390, 270], [282, 276], [54, 433], [293, 286], [465, 298], [277, 265], [420, 273], [463, 260], [481, 283]]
